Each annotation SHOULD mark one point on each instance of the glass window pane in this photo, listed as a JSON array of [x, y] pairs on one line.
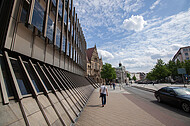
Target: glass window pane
[[50, 28], [66, 3], [74, 54], [20, 79], [65, 17], [68, 48], [58, 38], [71, 51], [52, 81], [23, 17], [31, 74], [64, 41], [69, 23], [6, 79], [54, 2], [43, 78], [38, 16], [60, 7]]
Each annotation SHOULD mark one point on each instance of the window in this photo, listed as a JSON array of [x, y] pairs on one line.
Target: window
[[43, 78], [31, 74], [60, 7], [50, 78], [24, 13], [38, 16], [69, 23], [71, 52], [54, 2], [68, 44], [20, 79], [76, 57], [66, 4], [74, 54], [65, 17], [185, 50], [50, 27], [63, 45], [58, 38], [53, 7], [186, 54], [6, 78]]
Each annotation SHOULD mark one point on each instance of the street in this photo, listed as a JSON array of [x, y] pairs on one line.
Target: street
[[167, 114]]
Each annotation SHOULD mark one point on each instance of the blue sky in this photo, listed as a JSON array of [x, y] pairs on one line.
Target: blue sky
[[135, 32]]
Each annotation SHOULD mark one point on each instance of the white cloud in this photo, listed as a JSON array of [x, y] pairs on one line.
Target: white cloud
[[135, 23], [160, 39], [104, 13], [105, 54], [155, 4]]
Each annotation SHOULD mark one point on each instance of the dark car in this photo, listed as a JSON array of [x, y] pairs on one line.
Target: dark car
[[179, 96]]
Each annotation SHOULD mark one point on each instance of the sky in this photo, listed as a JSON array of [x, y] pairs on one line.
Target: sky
[[135, 32]]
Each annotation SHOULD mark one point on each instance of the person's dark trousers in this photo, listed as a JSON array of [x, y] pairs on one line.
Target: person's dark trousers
[[103, 99]]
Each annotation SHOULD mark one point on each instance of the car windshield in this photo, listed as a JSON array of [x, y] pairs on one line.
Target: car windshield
[[182, 91]]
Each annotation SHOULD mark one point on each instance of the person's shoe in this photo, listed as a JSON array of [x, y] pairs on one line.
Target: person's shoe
[[102, 105]]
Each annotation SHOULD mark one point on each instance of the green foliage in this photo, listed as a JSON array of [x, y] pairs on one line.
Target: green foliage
[[134, 78], [172, 67], [129, 76], [159, 72], [162, 70], [108, 73], [187, 66]]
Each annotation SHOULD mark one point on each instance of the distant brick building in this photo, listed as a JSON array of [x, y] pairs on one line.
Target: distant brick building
[[94, 64]]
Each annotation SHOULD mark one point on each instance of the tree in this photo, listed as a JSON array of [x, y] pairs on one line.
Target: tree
[[129, 76], [134, 78], [108, 73], [159, 71], [187, 66], [172, 67], [150, 76]]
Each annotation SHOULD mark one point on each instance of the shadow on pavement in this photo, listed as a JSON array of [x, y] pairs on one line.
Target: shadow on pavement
[[99, 105], [173, 108]]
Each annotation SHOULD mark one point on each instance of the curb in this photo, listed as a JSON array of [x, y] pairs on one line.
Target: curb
[[146, 89]]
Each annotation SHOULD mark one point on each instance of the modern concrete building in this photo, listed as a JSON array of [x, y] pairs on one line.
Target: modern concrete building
[[42, 63], [121, 76], [94, 64], [182, 54]]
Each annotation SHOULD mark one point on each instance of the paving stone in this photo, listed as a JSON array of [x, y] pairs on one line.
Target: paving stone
[[118, 111]]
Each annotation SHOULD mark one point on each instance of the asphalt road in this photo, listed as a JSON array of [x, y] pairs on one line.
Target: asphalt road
[[167, 114]]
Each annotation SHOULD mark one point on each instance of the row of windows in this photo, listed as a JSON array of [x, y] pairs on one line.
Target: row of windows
[[186, 54], [186, 49], [46, 74], [38, 20]]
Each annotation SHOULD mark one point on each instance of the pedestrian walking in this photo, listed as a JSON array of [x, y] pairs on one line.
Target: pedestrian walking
[[103, 93], [113, 86]]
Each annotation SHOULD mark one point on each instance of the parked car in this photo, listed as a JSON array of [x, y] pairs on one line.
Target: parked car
[[179, 96]]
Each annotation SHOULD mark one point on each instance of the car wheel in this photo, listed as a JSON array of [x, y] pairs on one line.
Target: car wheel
[[158, 98], [185, 107]]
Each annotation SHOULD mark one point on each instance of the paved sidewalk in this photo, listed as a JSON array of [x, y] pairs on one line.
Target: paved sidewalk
[[119, 111]]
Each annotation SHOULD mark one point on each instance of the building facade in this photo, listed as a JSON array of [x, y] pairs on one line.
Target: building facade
[[137, 75], [94, 64], [121, 76], [48, 31], [182, 54], [42, 63]]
